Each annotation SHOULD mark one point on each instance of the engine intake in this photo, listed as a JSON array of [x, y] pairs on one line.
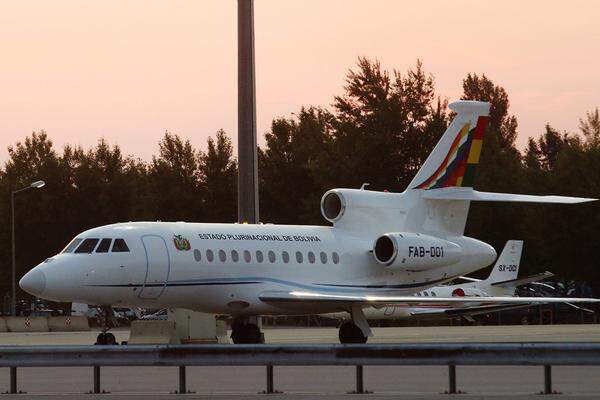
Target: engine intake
[[414, 251], [333, 205]]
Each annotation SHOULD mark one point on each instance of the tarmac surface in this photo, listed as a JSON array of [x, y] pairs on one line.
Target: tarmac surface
[[430, 334], [406, 382]]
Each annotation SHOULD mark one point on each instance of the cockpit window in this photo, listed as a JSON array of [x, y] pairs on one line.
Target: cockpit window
[[104, 246], [87, 246], [71, 246], [120, 246]]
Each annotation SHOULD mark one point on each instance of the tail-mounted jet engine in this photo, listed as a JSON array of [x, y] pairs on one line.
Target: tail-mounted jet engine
[[414, 251], [360, 209], [333, 205]]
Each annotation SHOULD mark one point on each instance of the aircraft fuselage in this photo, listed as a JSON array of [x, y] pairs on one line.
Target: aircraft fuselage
[[222, 268]]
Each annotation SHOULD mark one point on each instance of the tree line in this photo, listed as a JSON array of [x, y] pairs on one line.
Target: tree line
[[379, 130]]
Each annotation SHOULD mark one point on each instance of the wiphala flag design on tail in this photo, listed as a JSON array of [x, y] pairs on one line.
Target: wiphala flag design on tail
[[460, 164]]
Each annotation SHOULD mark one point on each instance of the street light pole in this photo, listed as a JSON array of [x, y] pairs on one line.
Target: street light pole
[[13, 291], [13, 297], [247, 152]]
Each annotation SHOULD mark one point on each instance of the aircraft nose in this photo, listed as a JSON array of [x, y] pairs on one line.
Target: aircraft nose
[[34, 282]]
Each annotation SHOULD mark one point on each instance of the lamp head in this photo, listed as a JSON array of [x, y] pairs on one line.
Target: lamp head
[[37, 184]]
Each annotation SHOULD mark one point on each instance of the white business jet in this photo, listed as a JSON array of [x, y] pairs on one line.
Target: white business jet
[[502, 281], [382, 248]]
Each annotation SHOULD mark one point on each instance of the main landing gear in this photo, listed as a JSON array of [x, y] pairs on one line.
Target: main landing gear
[[351, 333], [357, 329], [246, 330], [106, 322]]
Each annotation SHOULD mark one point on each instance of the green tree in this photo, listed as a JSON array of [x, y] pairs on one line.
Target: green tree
[[292, 167], [174, 181], [218, 176], [590, 127], [107, 186], [37, 212], [386, 125]]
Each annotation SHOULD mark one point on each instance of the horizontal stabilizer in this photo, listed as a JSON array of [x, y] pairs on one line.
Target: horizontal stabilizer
[[456, 193], [524, 281]]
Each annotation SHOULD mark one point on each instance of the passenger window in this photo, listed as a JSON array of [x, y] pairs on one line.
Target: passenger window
[[71, 246], [426, 294], [272, 257], [419, 294], [285, 256], [119, 246], [311, 257], [335, 257], [104, 246], [87, 246], [247, 256], [433, 294], [210, 256], [299, 257], [222, 255], [235, 256], [323, 257], [259, 256], [197, 255]]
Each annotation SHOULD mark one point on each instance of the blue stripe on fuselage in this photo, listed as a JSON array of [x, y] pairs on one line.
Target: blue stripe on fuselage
[[329, 287]]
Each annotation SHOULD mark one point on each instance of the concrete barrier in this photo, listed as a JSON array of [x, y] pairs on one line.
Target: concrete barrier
[[72, 323], [194, 327], [222, 337], [153, 332], [27, 324], [3, 327]]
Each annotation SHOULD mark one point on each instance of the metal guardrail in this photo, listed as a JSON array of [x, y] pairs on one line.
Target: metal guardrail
[[450, 354]]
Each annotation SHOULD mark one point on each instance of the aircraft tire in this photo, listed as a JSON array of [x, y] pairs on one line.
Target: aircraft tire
[[350, 333], [100, 339], [245, 334], [109, 339], [105, 339]]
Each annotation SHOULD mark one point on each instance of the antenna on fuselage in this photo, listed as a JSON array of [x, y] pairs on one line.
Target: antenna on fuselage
[[364, 185]]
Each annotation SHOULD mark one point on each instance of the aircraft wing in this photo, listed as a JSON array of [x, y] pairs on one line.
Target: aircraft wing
[[456, 193], [306, 298], [524, 281]]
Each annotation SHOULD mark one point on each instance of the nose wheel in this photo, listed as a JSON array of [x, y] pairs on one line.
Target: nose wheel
[[106, 338]]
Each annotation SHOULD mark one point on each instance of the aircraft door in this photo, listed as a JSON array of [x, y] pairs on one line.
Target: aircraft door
[[157, 266]]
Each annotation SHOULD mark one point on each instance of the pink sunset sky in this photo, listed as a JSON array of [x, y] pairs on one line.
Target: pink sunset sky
[[129, 70]]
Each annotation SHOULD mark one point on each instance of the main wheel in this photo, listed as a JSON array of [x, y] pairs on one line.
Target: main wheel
[[109, 339], [245, 334], [101, 339], [350, 333]]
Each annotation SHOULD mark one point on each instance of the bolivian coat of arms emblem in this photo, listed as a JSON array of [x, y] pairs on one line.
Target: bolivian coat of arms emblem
[[181, 243]]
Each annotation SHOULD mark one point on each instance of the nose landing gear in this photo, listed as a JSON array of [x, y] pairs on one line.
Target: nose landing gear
[[106, 322]]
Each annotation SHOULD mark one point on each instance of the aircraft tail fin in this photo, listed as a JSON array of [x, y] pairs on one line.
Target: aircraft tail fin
[[453, 161], [507, 265]]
